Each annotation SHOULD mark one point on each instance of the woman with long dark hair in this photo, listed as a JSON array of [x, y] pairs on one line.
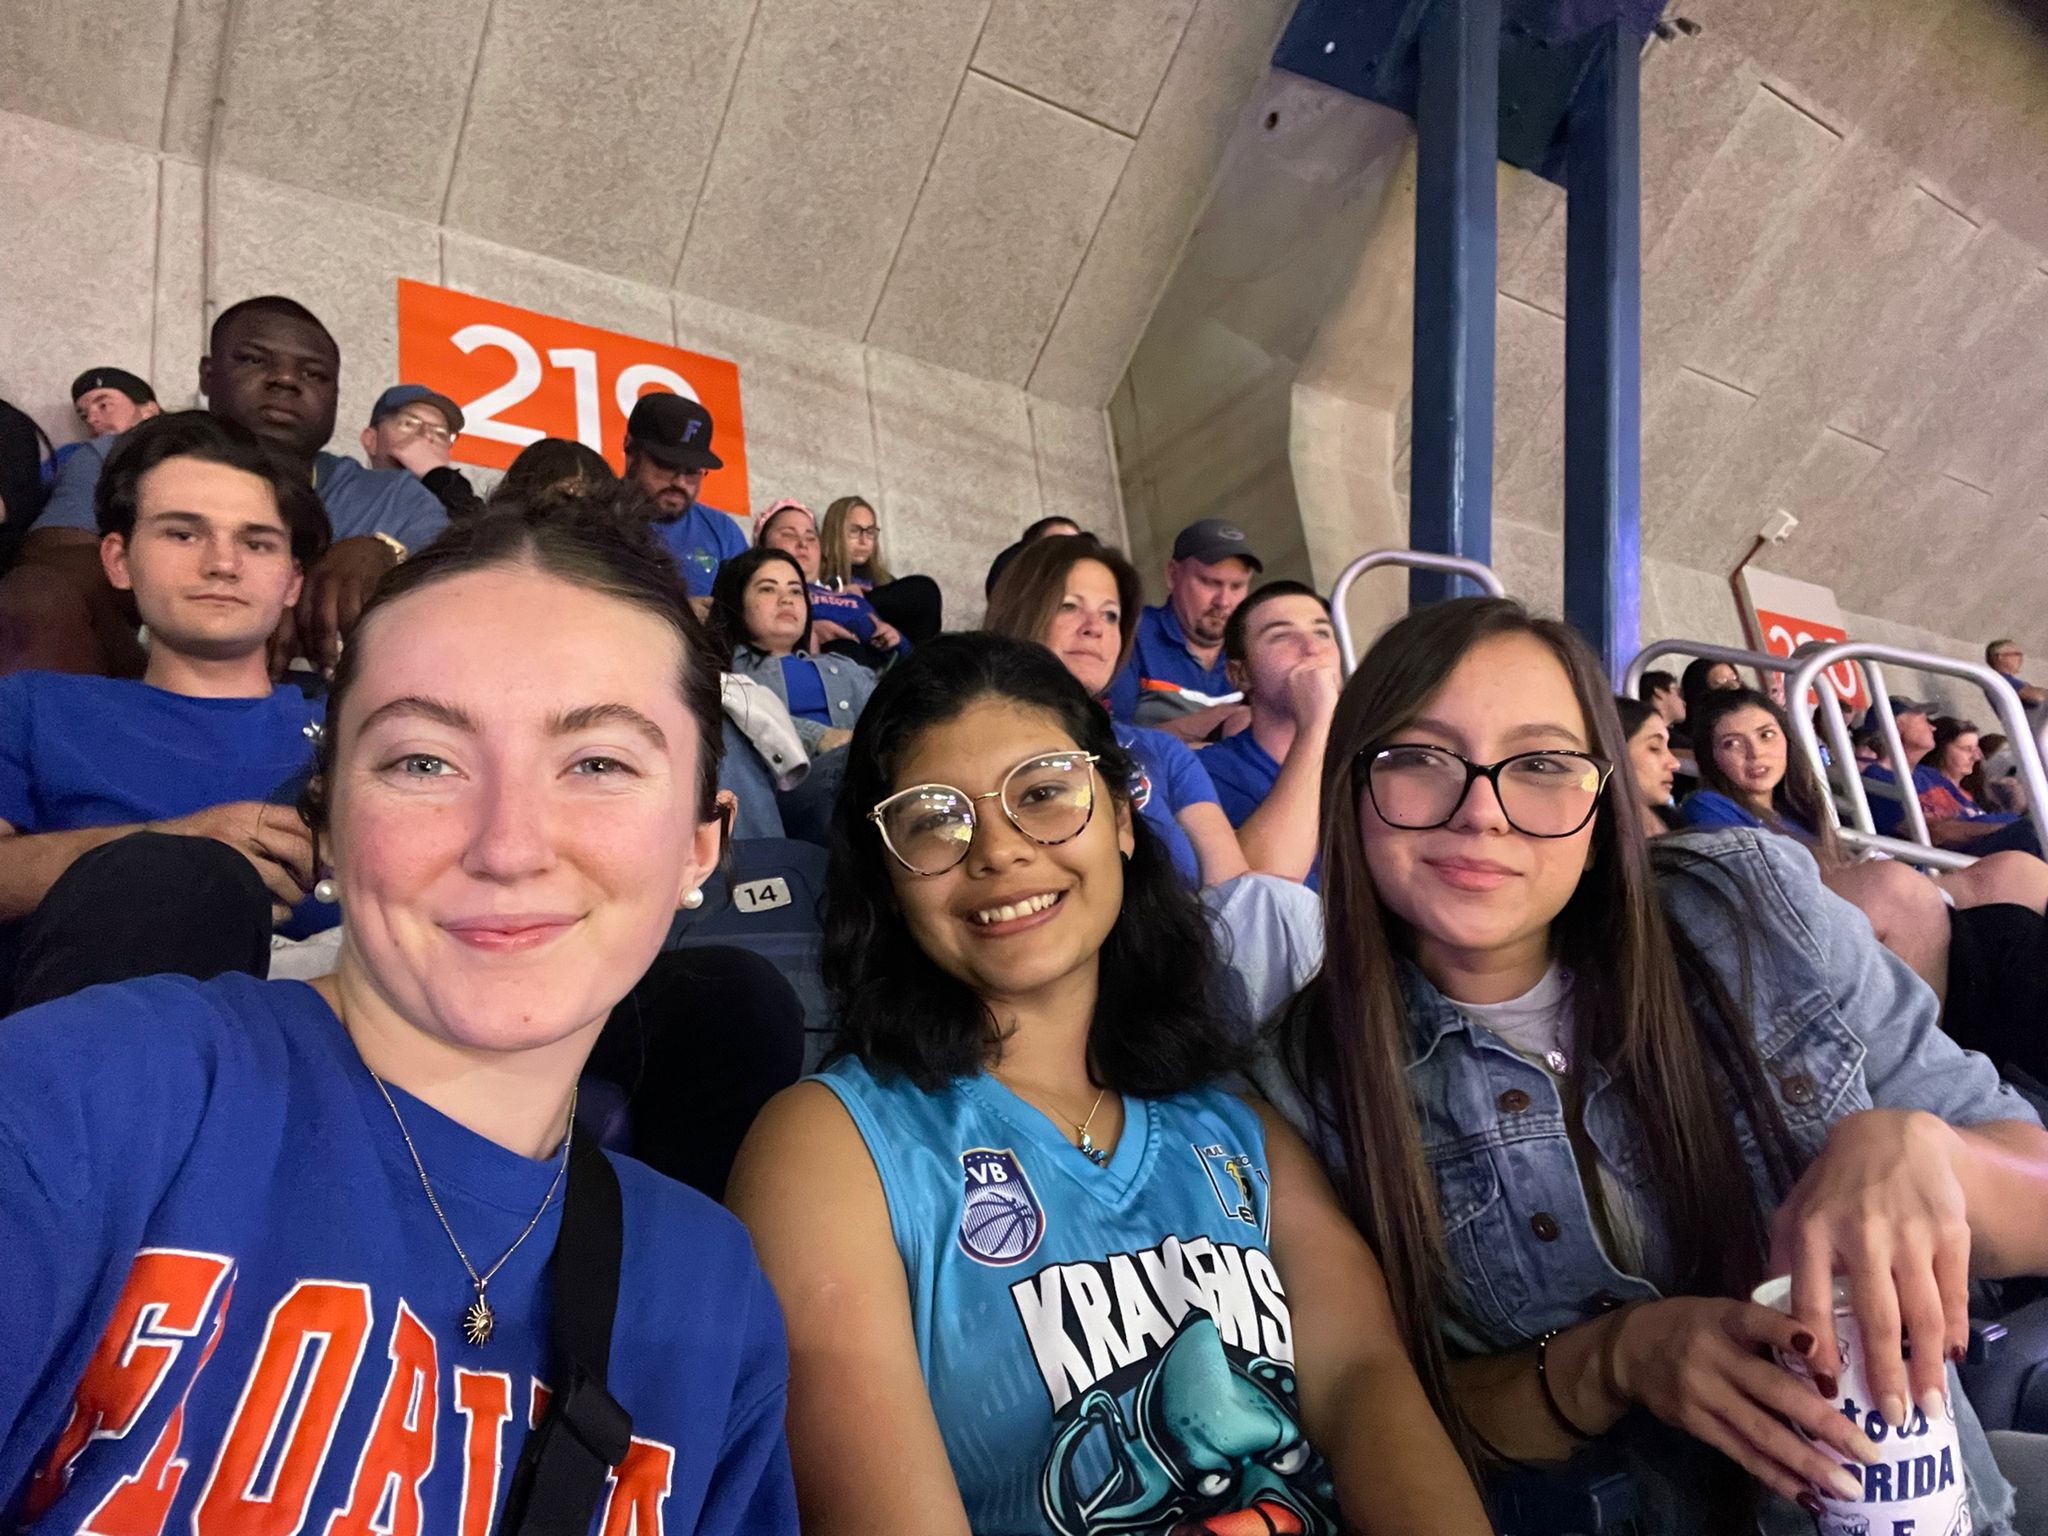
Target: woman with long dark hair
[[1654, 765], [1583, 1100], [1750, 776], [1017, 1225]]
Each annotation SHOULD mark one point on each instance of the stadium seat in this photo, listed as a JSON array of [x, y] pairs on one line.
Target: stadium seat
[[770, 899]]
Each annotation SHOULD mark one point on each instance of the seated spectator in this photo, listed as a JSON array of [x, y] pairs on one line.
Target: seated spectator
[[1994, 783], [272, 367], [841, 621], [108, 401], [1956, 755], [668, 449], [1660, 691], [2006, 658], [1701, 677], [413, 428], [1654, 766], [1749, 776], [850, 560], [1044, 528], [1028, 1004], [554, 464], [1525, 1062], [1953, 819], [1177, 678], [1282, 655], [361, 1201], [123, 804], [1079, 599]]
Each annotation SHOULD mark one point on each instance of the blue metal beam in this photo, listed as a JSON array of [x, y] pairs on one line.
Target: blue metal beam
[[1450, 477], [1603, 354]]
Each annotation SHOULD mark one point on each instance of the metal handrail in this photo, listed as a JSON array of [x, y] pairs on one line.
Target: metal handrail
[[2004, 703], [1473, 571], [1763, 661]]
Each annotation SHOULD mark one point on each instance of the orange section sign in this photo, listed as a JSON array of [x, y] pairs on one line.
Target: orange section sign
[[1784, 633], [520, 376]]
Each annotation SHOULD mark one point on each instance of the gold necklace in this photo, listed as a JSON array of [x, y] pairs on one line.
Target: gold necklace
[[1083, 1142], [478, 1320]]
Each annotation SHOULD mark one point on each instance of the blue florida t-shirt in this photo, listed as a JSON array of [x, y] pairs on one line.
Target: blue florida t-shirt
[[81, 752], [229, 1305], [702, 540], [1170, 778]]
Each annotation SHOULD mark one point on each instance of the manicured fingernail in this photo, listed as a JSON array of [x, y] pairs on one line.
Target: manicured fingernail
[[1957, 1354], [1847, 1484], [1810, 1502], [1893, 1407], [1934, 1403], [1825, 1384], [1802, 1343]]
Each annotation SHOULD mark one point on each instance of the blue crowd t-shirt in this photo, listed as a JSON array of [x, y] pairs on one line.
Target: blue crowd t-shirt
[[1160, 662], [702, 540], [1170, 779], [230, 1306], [80, 751], [359, 501], [805, 690], [1105, 1349], [1243, 773], [851, 611]]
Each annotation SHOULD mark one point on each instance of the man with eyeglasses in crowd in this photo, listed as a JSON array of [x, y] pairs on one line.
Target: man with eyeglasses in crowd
[[413, 428], [2006, 658]]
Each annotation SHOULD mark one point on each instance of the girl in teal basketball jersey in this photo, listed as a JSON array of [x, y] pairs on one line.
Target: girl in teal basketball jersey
[[1041, 1275]]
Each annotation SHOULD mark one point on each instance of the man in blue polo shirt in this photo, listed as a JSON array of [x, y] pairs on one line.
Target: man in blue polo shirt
[[148, 825], [1282, 652], [668, 448], [1175, 679], [272, 367]]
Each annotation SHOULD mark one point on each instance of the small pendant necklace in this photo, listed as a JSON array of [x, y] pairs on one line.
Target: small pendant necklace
[[1083, 1142], [477, 1319]]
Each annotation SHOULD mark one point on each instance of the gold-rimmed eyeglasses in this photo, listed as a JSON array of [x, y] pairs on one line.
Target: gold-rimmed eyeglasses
[[928, 828]]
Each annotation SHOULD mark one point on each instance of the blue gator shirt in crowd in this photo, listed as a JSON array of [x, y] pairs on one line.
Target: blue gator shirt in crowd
[[702, 540], [359, 501], [1170, 779], [851, 611], [1160, 661], [1106, 1349], [80, 751], [230, 1307], [1243, 773]]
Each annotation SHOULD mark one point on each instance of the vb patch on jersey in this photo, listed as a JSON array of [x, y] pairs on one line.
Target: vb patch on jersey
[[1001, 1221]]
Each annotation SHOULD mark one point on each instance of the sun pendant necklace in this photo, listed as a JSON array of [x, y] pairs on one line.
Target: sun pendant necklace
[[477, 1319]]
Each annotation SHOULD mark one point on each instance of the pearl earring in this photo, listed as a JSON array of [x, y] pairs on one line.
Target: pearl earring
[[693, 898], [327, 891]]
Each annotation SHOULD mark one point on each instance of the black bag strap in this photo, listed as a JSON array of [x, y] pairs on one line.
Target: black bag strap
[[562, 1471]]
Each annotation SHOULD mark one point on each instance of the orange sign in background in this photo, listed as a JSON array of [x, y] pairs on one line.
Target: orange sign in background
[[520, 376], [1784, 633]]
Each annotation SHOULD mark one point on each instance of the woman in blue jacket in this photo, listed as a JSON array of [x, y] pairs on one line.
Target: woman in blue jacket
[[1583, 1100]]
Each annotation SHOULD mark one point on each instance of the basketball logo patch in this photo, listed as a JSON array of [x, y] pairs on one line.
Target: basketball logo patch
[[1001, 1220]]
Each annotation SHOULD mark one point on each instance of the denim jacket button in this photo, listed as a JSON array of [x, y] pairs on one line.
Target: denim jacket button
[[1513, 1101], [1798, 1089], [1544, 1225], [1603, 1301]]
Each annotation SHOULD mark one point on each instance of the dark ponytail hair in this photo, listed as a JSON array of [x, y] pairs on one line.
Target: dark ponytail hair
[[1158, 1028]]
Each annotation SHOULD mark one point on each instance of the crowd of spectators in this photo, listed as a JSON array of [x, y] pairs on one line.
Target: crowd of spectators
[[1227, 1112]]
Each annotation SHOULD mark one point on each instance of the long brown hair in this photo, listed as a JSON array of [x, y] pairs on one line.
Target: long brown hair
[[1798, 803], [1348, 1040], [835, 559], [1034, 583]]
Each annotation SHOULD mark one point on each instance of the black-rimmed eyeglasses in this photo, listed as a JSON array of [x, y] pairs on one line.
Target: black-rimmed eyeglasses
[[1417, 787], [1049, 798]]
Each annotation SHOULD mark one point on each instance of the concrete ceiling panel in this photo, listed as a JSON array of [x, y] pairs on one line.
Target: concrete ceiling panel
[[1693, 604], [341, 260], [1687, 425], [1530, 564], [78, 274], [1695, 92], [1824, 491], [1076, 467], [195, 76], [361, 101], [590, 128], [1968, 91], [1847, 54], [810, 433], [1524, 203], [1528, 487], [838, 109], [556, 288], [997, 236], [180, 319], [1528, 372], [2004, 381], [98, 67], [1103, 59], [1220, 62]]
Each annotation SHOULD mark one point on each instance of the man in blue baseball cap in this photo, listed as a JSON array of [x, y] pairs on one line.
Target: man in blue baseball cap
[[413, 428]]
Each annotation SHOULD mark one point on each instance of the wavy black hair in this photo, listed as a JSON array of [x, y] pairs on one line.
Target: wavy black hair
[[1158, 1027], [728, 616]]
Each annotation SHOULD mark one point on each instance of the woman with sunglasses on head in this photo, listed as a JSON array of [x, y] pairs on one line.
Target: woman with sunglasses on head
[[291, 1257], [1583, 1100], [1015, 1221]]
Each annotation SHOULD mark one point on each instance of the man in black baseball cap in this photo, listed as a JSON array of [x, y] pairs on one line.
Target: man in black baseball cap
[[1176, 678], [668, 449], [111, 400]]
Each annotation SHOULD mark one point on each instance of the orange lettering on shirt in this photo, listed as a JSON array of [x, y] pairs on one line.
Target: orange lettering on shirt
[[640, 1486], [400, 1450], [284, 1425], [484, 1399], [165, 1300]]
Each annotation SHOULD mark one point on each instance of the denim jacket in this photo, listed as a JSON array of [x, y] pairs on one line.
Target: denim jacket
[[1841, 1025], [847, 686]]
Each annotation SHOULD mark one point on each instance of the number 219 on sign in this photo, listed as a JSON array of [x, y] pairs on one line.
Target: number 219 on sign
[[520, 376]]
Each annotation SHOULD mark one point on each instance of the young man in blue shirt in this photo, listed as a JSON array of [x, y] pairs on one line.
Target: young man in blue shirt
[[1175, 679], [1282, 653], [668, 448], [202, 755]]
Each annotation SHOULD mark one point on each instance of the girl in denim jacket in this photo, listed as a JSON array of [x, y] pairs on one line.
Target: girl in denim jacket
[[1582, 1100]]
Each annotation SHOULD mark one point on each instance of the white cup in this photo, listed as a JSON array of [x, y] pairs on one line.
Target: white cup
[[1918, 1489]]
